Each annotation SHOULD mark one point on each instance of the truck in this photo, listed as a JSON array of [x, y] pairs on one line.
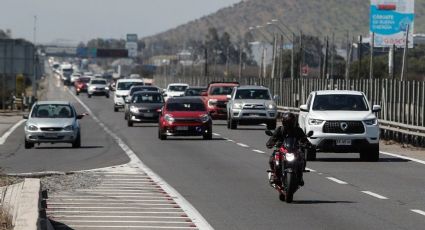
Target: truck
[[216, 98]]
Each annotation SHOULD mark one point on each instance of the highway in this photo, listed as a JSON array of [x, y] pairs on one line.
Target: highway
[[225, 178]]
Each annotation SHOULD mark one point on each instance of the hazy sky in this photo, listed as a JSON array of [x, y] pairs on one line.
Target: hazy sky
[[81, 20]]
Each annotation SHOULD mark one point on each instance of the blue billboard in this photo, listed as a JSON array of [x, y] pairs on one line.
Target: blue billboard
[[389, 20]]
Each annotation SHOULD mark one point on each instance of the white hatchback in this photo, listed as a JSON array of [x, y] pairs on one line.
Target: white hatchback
[[341, 121]]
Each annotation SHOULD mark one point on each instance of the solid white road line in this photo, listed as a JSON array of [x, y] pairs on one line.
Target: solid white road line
[[258, 151], [243, 145], [216, 134], [10, 131], [375, 195], [420, 212], [403, 157], [135, 161], [130, 226], [115, 212], [125, 217], [127, 221], [102, 208], [336, 180], [311, 170], [114, 203]]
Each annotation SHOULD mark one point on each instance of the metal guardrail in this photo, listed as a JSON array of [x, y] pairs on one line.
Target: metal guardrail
[[383, 124]]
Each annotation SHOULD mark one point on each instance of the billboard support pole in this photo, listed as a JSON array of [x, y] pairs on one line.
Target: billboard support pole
[[372, 46], [391, 62], [403, 67]]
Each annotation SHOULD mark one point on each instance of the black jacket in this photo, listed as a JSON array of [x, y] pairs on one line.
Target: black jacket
[[280, 134]]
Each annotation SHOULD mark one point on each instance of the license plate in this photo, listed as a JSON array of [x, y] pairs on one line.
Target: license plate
[[182, 128], [50, 135], [148, 114], [343, 142]]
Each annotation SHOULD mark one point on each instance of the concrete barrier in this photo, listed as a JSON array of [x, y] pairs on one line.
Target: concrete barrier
[[22, 202]]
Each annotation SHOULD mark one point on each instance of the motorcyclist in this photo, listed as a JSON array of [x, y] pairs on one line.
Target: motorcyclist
[[289, 128]]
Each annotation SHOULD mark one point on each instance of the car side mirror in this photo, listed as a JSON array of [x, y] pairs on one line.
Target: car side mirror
[[310, 134], [229, 97], [25, 116], [376, 109], [304, 108], [276, 97], [204, 94], [269, 133], [80, 116]]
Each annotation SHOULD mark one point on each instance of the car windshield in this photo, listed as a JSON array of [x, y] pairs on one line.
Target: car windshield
[[340, 102], [143, 89], [193, 92], [98, 82], [261, 94], [177, 88], [84, 79], [126, 85], [147, 98], [52, 111], [185, 106], [221, 90], [67, 70]]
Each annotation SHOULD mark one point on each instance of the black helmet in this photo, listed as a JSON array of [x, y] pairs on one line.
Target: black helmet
[[288, 120]]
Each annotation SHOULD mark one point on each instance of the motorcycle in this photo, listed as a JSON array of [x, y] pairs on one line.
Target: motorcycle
[[289, 166]]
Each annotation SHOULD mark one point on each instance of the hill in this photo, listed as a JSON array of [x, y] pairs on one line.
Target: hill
[[314, 17]]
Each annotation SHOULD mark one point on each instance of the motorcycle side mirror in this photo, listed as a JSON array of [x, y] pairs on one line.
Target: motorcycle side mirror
[[269, 133], [310, 134]]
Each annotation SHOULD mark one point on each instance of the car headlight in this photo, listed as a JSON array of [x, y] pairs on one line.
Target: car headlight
[[371, 122], [169, 118], [69, 128], [290, 156], [315, 122], [212, 102], [270, 105], [32, 128], [106, 87], [237, 105], [134, 109], [205, 118]]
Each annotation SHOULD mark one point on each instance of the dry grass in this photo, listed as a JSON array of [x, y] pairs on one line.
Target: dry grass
[[5, 220]]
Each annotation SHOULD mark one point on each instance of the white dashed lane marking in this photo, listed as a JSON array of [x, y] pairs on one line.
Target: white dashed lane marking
[[375, 195], [420, 212], [120, 201], [336, 180], [243, 145], [216, 134], [258, 151]]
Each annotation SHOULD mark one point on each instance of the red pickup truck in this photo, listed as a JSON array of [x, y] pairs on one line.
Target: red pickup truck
[[215, 98]]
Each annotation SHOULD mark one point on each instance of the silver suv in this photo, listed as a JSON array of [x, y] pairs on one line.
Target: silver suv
[[251, 105], [52, 122]]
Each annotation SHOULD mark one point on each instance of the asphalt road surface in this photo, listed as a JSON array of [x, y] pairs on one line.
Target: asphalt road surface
[[225, 178]]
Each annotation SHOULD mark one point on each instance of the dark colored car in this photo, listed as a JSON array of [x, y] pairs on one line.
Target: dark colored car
[[185, 116], [80, 85], [133, 90], [194, 91], [144, 107]]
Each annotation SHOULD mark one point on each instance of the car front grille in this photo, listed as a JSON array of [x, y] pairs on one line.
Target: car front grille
[[254, 107], [51, 129], [187, 120], [221, 104], [343, 127]]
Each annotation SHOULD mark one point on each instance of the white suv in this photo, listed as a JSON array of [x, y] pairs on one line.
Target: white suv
[[341, 121], [122, 90]]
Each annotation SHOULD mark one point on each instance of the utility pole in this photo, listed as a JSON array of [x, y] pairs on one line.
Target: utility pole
[[391, 62], [292, 56], [406, 46], [348, 57], [33, 80], [264, 62], [332, 54], [301, 54], [325, 65], [360, 54], [240, 62], [372, 46], [273, 57], [206, 63]]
